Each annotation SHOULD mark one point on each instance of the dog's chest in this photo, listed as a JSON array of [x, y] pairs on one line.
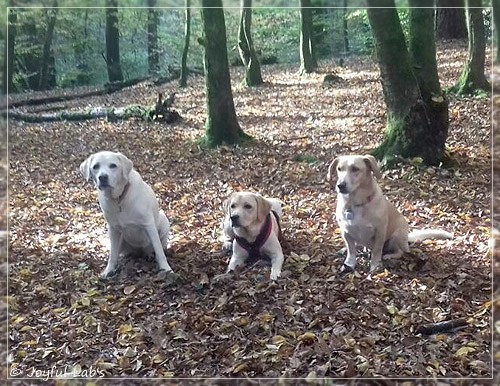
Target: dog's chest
[[352, 222]]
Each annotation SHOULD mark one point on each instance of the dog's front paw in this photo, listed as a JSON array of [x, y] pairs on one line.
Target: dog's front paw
[[227, 248], [376, 267], [168, 277], [275, 274], [107, 273]]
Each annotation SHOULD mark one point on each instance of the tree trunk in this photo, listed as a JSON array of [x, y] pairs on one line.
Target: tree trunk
[[450, 19], [345, 30], [187, 36], [153, 56], [253, 76], [472, 78], [45, 64], [113, 42], [409, 133], [422, 49], [81, 47], [10, 57], [221, 125], [306, 54], [496, 20]]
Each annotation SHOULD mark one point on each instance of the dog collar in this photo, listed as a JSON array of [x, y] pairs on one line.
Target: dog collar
[[124, 192], [253, 249], [349, 213]]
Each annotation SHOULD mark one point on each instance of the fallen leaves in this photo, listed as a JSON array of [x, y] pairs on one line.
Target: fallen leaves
[[315, 321]]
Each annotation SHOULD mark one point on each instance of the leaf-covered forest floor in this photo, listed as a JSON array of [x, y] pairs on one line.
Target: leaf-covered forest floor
[[314, 321]]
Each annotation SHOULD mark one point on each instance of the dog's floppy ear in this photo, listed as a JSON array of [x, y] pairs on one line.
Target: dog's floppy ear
[[263, 207], [85, 167], [372, 164], [127, 165], [331, 168], [227, 204]]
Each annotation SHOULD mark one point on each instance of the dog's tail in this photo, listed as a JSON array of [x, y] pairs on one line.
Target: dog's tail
[[276, 206], [426, 234]]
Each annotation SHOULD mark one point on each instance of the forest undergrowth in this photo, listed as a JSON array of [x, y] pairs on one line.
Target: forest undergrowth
[[314, 321]]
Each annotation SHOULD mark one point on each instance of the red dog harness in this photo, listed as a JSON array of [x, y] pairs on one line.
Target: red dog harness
[[253, 249]]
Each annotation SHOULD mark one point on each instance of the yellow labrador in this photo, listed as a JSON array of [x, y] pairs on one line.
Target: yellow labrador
[[366, 217], [135, 223], [251, 229]]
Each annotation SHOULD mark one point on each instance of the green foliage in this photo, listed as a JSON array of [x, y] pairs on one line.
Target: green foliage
[[79, 39]]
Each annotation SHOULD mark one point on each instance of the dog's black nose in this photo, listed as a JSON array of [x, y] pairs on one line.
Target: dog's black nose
[[342, 187], [103, 179], [235, 220]]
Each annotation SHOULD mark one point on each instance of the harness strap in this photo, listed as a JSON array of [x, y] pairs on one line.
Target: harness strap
[[253, 249]]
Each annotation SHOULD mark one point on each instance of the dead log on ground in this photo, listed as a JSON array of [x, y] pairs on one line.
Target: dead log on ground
[[440, 327]]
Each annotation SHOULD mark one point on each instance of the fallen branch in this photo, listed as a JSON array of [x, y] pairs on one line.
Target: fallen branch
[[160, 112], [446, 326], [108, 88]]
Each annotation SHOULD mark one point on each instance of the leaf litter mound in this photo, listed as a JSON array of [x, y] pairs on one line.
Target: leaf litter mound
[[315, 321]]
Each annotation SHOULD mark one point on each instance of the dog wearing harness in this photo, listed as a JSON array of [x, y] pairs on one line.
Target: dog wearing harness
[[252, 231]]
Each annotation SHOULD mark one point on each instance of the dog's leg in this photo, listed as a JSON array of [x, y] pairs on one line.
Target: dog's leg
[[160, 257], [227, 236], [350, 260], [376, 255], [276, 263], [237, 259], [115, 238], [163, 229]]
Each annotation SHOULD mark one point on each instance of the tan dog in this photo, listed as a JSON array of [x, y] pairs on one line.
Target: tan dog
[[251, 229], [364, 215], [130, 207]]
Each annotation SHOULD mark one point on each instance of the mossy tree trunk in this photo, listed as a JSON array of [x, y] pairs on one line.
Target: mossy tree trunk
[[187, 36], [307, 64], [450, 19], [472, 78], [153, 55], [113, 42], [496, 20], [47, 69], [253, 76], [414, 124], [221, 125]]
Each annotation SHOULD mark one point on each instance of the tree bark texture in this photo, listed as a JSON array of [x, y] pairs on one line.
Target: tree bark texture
[[253, 76], [113, 42], [472, 77], [496, 21], [221, 125], [185, 50], [306, 54], [45, 65], [153, 54], [450, 19], [410, 131], [11, 43]]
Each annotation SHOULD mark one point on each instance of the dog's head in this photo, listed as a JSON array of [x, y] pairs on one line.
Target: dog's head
[[352, 171], [109, 171], [245, 209]]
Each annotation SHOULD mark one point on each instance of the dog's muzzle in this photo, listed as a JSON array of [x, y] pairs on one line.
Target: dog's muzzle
[[342, 188], [103, 182], [235, 220]]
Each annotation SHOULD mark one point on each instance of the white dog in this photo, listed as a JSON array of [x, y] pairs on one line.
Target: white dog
[[251, 229], [364, 215], [135, 223]]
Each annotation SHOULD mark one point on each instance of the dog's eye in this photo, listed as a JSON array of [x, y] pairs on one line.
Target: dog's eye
[[247, 206], [112, 166], [233, 206], [95, 167]]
